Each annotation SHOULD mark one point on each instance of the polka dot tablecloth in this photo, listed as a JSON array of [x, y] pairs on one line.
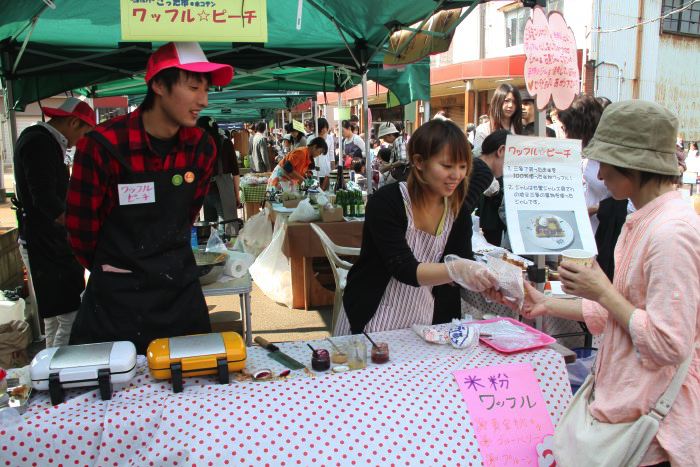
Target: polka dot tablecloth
[[406, 412]]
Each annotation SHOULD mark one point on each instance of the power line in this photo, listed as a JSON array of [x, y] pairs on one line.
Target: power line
[[662, 17]]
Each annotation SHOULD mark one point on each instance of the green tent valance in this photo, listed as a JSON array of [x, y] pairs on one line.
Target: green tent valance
[[45, 51]]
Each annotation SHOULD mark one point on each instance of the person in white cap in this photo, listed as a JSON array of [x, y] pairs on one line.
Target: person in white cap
[[138, 184], [41, 177], [398, 167]]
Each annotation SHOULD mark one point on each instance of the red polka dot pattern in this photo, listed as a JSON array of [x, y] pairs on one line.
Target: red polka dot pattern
[[407, 412]]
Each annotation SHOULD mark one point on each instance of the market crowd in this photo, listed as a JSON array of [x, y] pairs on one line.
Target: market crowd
[[139, 181]]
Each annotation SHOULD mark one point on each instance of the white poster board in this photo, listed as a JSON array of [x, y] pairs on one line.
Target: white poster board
[[543, 189]]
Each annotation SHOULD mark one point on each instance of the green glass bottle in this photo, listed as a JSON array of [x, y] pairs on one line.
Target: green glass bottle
[[343, 202], [353, 206], [360, 205]]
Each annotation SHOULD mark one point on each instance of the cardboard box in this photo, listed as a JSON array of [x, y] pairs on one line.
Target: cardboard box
[[334, 214], [291, 203]]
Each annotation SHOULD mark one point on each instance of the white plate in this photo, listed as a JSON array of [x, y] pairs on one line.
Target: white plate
[[550, 243]]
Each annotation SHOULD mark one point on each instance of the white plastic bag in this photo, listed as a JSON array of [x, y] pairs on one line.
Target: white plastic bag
[[272, 271], [257, 233], [215, 244], [304, 212], [321, 199], [510, 280]]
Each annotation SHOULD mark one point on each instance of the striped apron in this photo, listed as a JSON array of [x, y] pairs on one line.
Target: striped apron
[[403, 305]]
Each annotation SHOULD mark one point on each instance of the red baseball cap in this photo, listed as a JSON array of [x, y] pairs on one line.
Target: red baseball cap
[[187, 56], [73, 107]]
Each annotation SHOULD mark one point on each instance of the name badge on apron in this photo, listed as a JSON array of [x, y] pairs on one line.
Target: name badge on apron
[[136, 193]]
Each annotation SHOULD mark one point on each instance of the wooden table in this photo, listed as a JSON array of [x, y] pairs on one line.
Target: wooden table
[[301, 245]]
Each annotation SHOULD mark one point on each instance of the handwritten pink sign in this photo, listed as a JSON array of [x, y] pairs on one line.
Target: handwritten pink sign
[[508, 412], [551, 65]]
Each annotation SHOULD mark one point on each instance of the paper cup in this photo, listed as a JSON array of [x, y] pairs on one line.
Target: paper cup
[[578, 256]]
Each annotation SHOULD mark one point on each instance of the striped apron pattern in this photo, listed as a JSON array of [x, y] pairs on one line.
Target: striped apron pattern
[[403, 305]]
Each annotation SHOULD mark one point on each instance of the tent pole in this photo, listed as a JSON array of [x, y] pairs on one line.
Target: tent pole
[[366, 130], [314, 109], [341, 140], [11, 119]]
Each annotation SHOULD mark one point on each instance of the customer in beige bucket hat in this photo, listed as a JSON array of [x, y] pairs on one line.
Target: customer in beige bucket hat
[[648, 317], [636, 135]]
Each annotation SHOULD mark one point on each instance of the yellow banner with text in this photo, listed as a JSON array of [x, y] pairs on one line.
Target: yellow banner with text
[[194, 20]]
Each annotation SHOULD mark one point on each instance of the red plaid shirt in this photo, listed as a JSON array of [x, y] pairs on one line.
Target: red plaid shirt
[[93, 192]]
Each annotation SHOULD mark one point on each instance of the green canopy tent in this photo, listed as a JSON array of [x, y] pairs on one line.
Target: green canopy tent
[[48, 47], [410, 83], [45, 51], [229, 106]]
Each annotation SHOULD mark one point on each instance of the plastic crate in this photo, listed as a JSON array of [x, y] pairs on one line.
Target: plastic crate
[[253, 193]]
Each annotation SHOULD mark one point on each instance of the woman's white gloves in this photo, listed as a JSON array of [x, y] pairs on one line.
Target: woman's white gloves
[[470, 274]]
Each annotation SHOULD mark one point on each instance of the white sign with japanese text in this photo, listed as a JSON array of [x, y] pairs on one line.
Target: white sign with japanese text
[[543, 191], [136, 193]]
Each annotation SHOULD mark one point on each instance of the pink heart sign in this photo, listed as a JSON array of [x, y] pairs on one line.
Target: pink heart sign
[[551, 66]]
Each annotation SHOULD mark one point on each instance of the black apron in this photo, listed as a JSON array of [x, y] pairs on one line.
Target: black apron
[[57, 277], [162, 296]]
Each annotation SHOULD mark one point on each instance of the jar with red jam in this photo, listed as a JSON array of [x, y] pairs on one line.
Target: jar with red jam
[[320, 360], [380, 353]]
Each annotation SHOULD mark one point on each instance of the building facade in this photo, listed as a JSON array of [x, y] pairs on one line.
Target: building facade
[[657, 61], [627, 49]]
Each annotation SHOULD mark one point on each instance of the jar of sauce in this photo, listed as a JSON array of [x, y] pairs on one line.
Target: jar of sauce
[[320, 360], [380, 353], [339, 356]]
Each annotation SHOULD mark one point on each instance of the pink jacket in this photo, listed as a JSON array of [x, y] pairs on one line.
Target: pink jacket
[[657, 268]]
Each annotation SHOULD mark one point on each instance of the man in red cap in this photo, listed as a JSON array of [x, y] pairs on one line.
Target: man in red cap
[[41, 176], [138, 184]]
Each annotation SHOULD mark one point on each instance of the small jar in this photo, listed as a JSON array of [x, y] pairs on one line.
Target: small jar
[[357, 358], [339, 356], [380, 353], [320, 360]]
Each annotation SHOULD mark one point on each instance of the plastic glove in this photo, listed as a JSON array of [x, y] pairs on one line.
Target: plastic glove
[[470, 274]]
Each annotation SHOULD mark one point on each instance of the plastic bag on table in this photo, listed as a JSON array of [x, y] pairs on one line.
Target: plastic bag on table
[[432, 334], [463, 335], [322, 199], [304, 212], [256, 234], [215, 244], [272, 271]]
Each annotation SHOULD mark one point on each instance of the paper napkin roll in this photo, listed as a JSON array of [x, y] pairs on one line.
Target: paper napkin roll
[[238, 264]]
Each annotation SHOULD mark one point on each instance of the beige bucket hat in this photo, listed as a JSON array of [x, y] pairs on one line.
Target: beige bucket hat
[[387, 128], [637, 135]]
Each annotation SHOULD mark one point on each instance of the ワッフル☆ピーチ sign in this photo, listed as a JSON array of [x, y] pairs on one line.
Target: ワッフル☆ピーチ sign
[[544, 196], [194, 20]]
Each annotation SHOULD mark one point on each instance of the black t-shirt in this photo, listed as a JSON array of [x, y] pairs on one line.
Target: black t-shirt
[[162, 146], [529, 130]]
